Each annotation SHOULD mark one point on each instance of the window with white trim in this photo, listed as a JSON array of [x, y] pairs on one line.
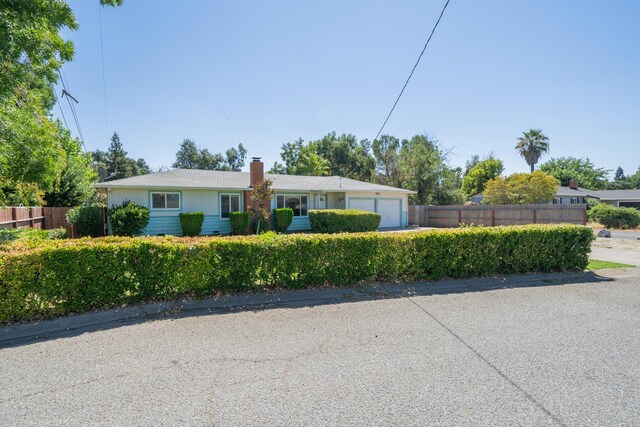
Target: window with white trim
[[229, 203], [165, 200], [299, 203]]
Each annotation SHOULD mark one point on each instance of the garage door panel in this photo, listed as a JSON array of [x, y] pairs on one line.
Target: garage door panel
[[363, 204], [390, 212]]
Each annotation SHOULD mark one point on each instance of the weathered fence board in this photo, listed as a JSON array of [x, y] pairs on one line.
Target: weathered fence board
[[492, 215], [45, 218]]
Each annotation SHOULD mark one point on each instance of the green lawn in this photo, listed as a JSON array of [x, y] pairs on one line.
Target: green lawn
[[596, 264]]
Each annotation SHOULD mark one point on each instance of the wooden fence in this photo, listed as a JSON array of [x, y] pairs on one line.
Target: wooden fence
[[492, 215], [45, 218]]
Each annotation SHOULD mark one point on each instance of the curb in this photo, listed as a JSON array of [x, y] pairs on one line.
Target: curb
[[290, 299]]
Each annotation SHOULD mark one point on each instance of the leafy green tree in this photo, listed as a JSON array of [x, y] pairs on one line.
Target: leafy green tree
[[619, 176], [191, 156], [475, 180], [75, 186], [346, 156], [386, 153], [531, 145], [116, 162], [311, 164], [520, 188], [236, 157], [278, 169], [423, 167], [31, 52], [583, 170], [474, 160]]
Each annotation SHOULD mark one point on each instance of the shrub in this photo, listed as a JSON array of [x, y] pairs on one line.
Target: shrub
[[282, 218], [343, 220], [58, 277], [612, 217], [128, 219], [191, 223], [86, 221], [8, 235], [239, 223]]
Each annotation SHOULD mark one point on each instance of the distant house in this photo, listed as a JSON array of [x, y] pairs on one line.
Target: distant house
[[620, 198], [574, 194], [217, 193]]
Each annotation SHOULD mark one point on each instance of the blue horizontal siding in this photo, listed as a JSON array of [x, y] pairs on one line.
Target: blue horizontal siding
[[171, 225]]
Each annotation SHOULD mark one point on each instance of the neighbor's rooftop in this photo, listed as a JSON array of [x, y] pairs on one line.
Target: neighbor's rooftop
[[206, 179]]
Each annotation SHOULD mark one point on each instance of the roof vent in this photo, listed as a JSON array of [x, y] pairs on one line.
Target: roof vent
[[256, 159]]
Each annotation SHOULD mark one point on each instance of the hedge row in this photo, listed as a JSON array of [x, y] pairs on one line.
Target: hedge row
[[343, 220], [59, 277], [613, 217]]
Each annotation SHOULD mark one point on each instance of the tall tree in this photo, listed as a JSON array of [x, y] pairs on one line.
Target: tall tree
[[346, 156], [385, 151], [75, 186], [236, 157], [619, 176], [190, 156], [520, 188], [116, 162], [531, 145], [583, 170], [31, 52], [480, 174]]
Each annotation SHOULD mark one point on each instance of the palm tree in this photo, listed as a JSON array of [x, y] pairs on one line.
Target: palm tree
[[531, 145]]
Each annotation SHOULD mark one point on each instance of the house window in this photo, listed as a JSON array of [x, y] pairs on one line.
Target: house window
[[165, 200], [229, 203], [299, 203], [574, 200]]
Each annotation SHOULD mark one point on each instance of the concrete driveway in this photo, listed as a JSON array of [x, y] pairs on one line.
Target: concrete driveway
[[553, 353]]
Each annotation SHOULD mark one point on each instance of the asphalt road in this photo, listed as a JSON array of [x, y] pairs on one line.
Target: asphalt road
[[546, 355]]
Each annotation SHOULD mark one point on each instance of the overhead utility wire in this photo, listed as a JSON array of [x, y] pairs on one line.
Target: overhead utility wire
[[104, 79], [413, 70], [65, 92]]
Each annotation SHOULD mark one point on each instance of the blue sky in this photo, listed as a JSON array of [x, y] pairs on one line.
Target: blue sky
[[265, 73]]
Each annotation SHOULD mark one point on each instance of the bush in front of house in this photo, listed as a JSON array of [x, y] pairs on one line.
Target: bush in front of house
[[191, 223], [343, 220], [239, 223], [128, 219], [58, 277], [612, 217], [8, 235], [86, 221], [282, 218]]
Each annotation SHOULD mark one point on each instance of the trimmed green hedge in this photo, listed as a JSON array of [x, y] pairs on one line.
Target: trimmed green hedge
[[86, 220], [239, 223], [59, 277], [8, 235], [282, 218], [191, 223], [343, 220], [128, 219], [612, 217]]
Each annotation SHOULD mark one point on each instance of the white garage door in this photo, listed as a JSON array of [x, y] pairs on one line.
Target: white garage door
[[363, 204], [390, 212]]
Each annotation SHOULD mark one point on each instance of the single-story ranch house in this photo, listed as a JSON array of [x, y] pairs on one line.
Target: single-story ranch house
[[574, 194], [216, 193]]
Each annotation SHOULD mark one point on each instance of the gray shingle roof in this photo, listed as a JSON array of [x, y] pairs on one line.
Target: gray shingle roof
[[573, 192], [617, 194], [203, 179]]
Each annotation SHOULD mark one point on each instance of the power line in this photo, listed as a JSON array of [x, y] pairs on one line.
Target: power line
[[65, 91], [413, 70], [104, 79]]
